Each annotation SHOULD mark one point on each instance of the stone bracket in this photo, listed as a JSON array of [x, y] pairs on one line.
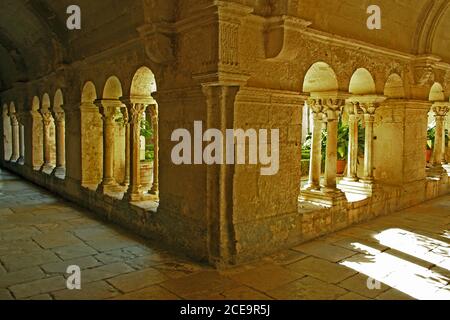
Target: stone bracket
[[280, 36]]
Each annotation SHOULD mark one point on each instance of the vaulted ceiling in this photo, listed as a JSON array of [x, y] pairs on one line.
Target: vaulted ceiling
[[34, 39]]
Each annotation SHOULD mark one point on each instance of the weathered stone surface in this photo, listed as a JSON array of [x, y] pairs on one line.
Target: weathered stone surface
[[137, 280]]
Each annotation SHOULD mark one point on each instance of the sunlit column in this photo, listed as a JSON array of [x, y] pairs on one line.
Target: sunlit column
[[60, 143], [108, 109], [352, 157], [126, 123], [332, 109], [155, 125], [47, 121], [369, 119], [135, 111], [15, 137], [316, 145], [440, 112]]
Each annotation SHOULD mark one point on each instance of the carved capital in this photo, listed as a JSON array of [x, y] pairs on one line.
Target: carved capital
[[441, 109], [47, 117]]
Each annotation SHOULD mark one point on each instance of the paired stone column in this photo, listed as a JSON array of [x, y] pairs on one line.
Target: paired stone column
[[15, 133], [126, 123], [352, 157], [135, 108], [332, 110], [108, 110], [47, 121], [315, 164], [440, 110], [155, 119], [60, 169], [369, 119], [21, 119]]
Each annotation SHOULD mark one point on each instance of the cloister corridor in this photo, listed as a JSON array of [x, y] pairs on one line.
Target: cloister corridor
[[41, 235]]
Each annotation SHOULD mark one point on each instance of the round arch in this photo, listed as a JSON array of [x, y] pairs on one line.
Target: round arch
[[319, 78], [436, 92], [143, 83], [89, 93], [362, 82], [112, 88]]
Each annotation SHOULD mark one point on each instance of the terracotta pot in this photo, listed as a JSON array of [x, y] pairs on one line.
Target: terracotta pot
[[429, 154], [341, 166]]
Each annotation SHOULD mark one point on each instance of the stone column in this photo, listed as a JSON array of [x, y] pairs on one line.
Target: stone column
[[47, 120], [135, 111], [21, 119], [332, 109], [154, 118], [60, 144], [126, 123], [108, 109], [15, 133], [352, 157], [369, 119], [440, 110], [316, 145]]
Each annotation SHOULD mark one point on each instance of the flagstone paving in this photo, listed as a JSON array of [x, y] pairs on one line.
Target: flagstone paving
[[402, 256]]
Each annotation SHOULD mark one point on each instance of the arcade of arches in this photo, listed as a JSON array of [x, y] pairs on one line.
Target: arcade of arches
[[89, 115]]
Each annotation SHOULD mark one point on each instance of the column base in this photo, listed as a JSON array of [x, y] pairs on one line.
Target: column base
[[47, 168], [447, 168], [109, 187], [437, 171], [326, 198], [21, 161], [360, 187], [59, 172], [134, 197]]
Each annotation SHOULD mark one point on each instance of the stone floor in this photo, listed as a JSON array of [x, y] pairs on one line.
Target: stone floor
[[41, 235]]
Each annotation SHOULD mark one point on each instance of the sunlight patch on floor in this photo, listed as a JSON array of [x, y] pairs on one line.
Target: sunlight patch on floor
[[409, 278], [419, 246]]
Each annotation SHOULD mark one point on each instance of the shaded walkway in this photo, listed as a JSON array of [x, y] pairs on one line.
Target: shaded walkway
[[408, 253]]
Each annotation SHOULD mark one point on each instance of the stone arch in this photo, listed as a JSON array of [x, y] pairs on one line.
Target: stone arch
[[112, 88], [436, 92], [394, 87], [143, 85], [7, 133], [362, 83], [91, 138], [112, 92], [319, 78]]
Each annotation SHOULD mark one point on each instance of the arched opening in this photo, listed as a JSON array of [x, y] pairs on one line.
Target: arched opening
[[114, 179], [362, 83], [49, 135], [394, 87], [7, 134], [437, 133], [91, 138], [436, 92], [320, 147], [142, 87]]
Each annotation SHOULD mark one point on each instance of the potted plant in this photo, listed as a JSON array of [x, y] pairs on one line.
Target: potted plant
[[342, 147]]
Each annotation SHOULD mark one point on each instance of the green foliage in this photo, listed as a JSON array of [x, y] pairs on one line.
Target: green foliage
[[342, 142], [147, 132]]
